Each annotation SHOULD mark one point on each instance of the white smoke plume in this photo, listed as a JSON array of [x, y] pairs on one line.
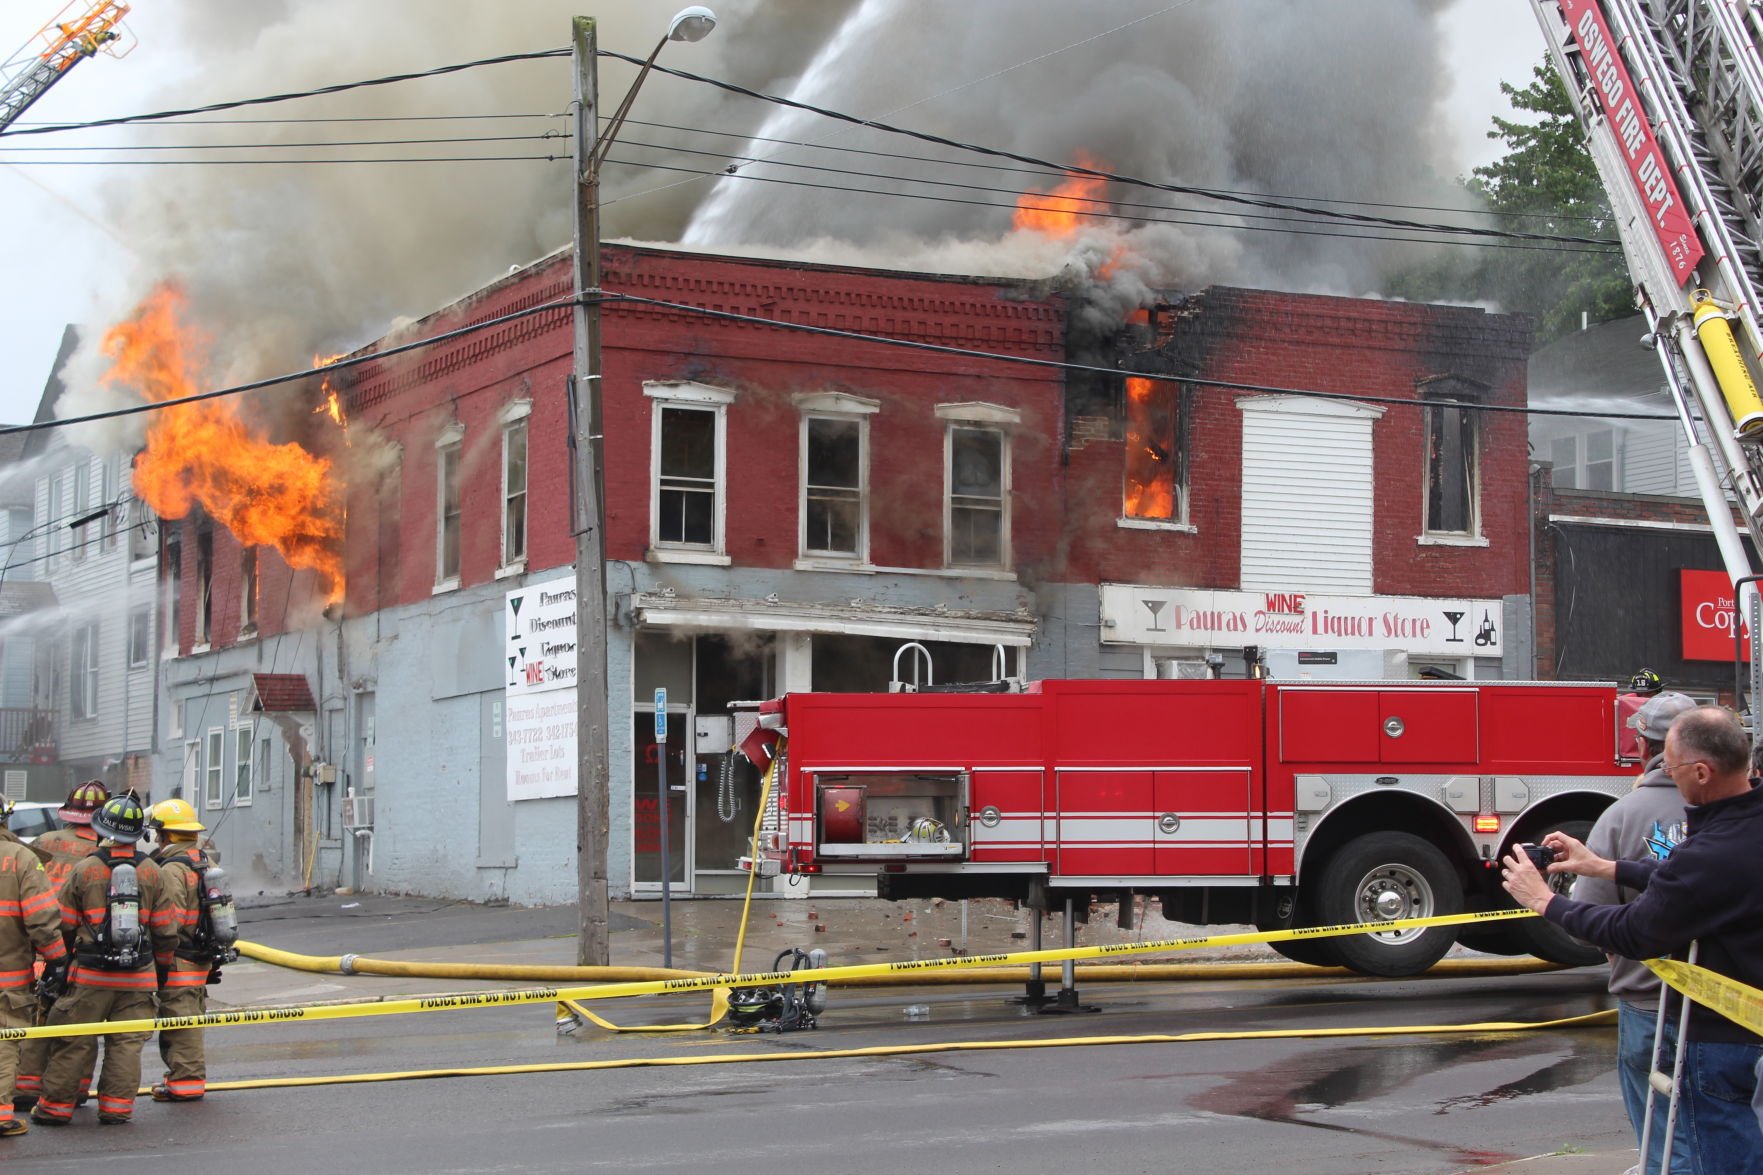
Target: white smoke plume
[[1319, 98]]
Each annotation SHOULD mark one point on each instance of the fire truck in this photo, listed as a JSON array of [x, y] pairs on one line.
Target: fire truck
[[1235, 801]]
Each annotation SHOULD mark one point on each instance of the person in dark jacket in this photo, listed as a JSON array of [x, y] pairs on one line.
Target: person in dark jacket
[[1708, 891]]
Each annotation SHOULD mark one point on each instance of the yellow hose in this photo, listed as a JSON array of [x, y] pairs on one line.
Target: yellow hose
[[1594, 1018], [1091, 973]]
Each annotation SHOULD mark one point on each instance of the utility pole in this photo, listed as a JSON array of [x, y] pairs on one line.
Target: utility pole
[[593, 768]]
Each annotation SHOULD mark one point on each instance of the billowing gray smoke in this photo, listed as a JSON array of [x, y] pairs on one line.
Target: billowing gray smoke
[[1322, 98]]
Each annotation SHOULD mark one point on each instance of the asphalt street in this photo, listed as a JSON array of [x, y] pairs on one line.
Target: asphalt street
[[1352, 1104]]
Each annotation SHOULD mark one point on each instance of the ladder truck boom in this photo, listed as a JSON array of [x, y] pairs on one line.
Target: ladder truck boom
[[1670, 96], [80, 31]]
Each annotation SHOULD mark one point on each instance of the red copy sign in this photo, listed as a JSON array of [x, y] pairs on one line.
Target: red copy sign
[[1652, 179], [1708, 617]]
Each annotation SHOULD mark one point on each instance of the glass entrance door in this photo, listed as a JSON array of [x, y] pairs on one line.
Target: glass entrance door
[[646, 805]]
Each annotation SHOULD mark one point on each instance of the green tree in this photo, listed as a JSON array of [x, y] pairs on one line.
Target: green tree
[[1545, 183]]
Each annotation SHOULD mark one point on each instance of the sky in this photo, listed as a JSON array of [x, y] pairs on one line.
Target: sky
[[70, 257]]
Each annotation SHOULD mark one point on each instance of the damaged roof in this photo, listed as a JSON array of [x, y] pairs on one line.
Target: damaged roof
[[281, 691]]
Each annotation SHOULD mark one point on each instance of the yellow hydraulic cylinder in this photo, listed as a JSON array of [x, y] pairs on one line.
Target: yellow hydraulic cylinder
[[1729, 367]]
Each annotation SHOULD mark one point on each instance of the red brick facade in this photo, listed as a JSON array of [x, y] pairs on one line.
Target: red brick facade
[[1066, 495]]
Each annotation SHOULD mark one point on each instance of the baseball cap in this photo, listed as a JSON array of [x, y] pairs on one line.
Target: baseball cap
[[1654, 717]]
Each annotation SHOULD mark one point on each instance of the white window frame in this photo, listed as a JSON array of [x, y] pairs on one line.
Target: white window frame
[[82, 506], [108, 483], [82, 680], [516, 420], [191, 773], [705, 398], [451, 440], [1183, 473], [980, 417], [841, 407], [1434, 395], [204, 600], [214, 768], [1580, 467], [244, 765], [141, 620], [54, 523]]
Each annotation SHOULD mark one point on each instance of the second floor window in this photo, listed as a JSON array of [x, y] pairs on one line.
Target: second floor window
[[977, 514], [204, 586], [140, 636], [1586, 461], [82, 506], [833, 513], [514, 494], [447, 513], [248, 591], [1452, 455], [57, 524], [1155, 460], [83, 678]]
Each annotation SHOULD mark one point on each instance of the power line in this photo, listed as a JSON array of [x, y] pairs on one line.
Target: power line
[[1060, 174], [548, 135], [1312, 232], [280, 162], [270, 99], [613, 299], [64, 126], [1097, 173]]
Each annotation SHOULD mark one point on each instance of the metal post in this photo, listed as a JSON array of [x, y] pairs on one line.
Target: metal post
[[1068, 968], [593, 799], [666, 834]]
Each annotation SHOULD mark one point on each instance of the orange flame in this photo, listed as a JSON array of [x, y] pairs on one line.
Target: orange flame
[[203, 454], [1150, 440], [332, 405], [1059, 212]]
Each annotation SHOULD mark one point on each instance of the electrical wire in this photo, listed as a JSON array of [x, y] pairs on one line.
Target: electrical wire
[[1096, 215], [1098, 173], [270, 99], [271, 162], [548, 135], [62, 126], [1060, 174], [610, 298]]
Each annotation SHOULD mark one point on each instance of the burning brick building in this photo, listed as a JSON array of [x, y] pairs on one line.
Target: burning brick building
[[786, 510]]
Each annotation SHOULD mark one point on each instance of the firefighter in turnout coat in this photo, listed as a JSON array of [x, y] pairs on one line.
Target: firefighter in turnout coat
[[183, 987], [64, 846], [30, 927], [113, 910]]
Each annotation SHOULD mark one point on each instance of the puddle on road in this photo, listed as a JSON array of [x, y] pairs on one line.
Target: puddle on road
[[1295, 1087]]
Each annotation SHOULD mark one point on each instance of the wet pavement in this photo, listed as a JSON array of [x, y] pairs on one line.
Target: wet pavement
[[1326, 1087]]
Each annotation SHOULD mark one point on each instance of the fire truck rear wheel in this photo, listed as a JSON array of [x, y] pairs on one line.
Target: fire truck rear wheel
[[1382, 877]]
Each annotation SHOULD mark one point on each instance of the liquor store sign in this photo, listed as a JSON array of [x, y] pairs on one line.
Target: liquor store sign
[[1139, 615]]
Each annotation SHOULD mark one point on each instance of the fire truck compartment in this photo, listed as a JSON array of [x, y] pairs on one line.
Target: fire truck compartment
[[891, 815]]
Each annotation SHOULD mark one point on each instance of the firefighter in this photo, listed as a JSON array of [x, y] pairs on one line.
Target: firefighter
[[65, 846], [113, 907], [29, 923], [189, 878]]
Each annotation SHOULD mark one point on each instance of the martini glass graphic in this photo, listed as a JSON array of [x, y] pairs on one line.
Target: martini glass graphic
[[1156, 607], [1454, 617]]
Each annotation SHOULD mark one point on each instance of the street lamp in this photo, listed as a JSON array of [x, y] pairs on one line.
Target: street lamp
[[593, 768]]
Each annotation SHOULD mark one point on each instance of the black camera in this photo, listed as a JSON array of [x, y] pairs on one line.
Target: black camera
[[1540, 856]]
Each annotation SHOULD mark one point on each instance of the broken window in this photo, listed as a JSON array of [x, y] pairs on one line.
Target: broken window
[[1451, 460], [1156, 458], [977, 520], [514, 494], [248, 591], [204, 585], [832, 506], [688, 482], [447, 513], [83, 681]]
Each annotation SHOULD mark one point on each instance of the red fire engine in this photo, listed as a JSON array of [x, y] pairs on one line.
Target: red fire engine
[[1234, 801]]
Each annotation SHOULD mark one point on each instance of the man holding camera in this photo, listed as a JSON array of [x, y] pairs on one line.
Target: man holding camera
[[1644, 825], [1709, 890]]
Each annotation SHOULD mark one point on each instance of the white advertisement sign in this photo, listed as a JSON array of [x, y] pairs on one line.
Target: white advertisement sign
[[541, 744], [540, 662], [540, 621], [1138, 615]]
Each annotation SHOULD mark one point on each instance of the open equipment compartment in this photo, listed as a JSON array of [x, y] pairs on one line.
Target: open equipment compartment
[[890, 815]]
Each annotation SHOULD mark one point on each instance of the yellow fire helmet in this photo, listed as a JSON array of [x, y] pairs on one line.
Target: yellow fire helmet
[[176, 816]]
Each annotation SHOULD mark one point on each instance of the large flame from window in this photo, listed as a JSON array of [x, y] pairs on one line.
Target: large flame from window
[[1150, 450], [203, 454]]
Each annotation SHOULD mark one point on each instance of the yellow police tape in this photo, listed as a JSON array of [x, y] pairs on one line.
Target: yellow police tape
[[1738, 1002], [608, 991]]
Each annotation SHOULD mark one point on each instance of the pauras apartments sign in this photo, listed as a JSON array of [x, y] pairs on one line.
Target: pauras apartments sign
[[1191, 617]]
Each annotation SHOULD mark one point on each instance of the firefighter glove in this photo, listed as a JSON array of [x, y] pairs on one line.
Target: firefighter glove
[[213, 976], [53, 982]]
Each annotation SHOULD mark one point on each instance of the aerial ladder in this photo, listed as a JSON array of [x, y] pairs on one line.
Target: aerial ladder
[[1670, 95], [81, 30]]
